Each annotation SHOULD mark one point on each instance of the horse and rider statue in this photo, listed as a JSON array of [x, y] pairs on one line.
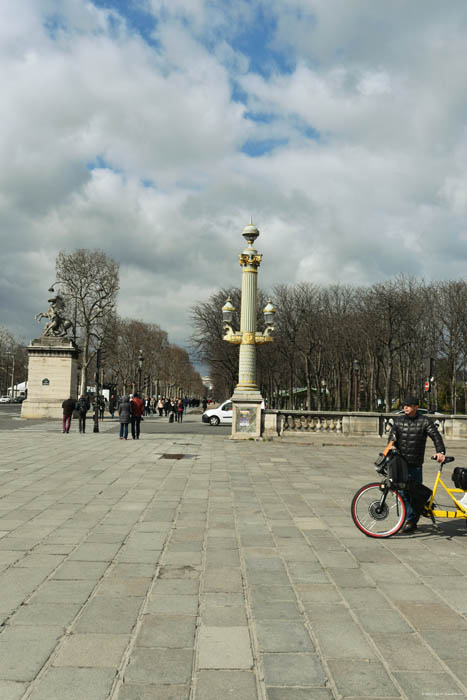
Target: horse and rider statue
[[57, 325]]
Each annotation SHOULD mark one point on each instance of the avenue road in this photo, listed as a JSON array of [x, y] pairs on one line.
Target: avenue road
[[10, 419]]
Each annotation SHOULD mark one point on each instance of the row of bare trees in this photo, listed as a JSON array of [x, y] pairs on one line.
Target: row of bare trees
[[89, 283], [166, 369], [342, 347], [12, 362]]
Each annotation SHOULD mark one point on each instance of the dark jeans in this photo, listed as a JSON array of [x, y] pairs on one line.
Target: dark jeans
[[66, 422], [124, 430], [82, 422], [180, 416], [135, 426], [416, 475]]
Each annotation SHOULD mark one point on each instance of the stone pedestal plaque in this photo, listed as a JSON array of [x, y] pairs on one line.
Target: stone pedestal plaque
[[246, 415], [52, 376]]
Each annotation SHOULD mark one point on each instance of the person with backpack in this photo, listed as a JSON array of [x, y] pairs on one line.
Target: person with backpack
[[68, 407], [82, 406], [124, 415], [409, 433]]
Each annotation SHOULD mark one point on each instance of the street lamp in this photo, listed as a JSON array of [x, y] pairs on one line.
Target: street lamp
[[247, 399], [356, 371], [12, 355], [140, 369]]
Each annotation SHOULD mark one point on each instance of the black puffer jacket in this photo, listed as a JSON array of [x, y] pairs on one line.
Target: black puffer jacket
[[409, 435]]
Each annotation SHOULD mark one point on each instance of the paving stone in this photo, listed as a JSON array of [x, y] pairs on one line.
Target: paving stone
[[109, 615], [389, 620], [160, 666], [224, 648], [406, 652], [167, 631], [226, 579], [419, 686], [49, 614], [174, 572], [24, 650], [293, 669], [232, 616], [276, 610], [280, 636], [214, 685], [95, 552], [73, 683], [299, 693], [122, 587], [73, 570], [362, 679], [446, 644], [174, 604], [433, 616], [260, 594], [153, 692], [64, 592], [92, 650], [10, 690], [175, 587]]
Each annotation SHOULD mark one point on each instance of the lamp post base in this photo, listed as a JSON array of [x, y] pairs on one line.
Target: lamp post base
[[246, 415]]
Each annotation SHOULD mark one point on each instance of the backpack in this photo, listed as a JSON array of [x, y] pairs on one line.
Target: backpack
[[459, 477], [398, 471]]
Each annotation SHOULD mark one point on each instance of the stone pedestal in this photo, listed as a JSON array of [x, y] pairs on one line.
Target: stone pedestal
[[246, 415], [52, 377]]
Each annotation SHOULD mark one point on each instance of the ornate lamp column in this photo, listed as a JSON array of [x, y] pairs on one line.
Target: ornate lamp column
[[247, 399]]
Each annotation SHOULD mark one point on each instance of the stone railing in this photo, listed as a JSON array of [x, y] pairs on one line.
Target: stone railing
[[296, 423]]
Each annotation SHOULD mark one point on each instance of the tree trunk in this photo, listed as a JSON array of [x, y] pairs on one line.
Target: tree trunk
[[387, 392]]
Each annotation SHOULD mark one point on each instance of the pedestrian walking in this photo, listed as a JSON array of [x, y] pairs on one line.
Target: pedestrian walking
[[171, 410], [124, 413], [137, 410], [82, 406], [68, 407], [180, 409], [205, 404], [101, 405], [160, 407], [112, 405], [409, 434]]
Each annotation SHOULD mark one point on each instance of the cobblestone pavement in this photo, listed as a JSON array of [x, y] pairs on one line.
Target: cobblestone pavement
[[196, 568]]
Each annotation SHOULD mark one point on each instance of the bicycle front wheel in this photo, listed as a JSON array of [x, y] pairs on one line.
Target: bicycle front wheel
[[376, 515]]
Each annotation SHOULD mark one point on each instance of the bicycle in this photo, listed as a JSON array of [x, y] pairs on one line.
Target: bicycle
[[379, 510]]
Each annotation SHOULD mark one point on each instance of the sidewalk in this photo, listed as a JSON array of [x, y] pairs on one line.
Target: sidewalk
[[195, 568]]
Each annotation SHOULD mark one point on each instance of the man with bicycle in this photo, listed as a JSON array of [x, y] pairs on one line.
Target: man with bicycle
[[409, 434]]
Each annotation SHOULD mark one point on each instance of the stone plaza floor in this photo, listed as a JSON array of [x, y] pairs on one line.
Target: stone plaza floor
[[197, 568]]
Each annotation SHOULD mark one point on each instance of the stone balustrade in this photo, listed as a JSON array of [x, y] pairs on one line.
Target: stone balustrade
[[297, 423]]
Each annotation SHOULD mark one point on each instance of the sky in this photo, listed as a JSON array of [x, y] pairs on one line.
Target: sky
[[154, 129]]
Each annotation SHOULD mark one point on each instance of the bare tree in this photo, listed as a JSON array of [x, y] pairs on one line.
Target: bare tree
[[90, 281]]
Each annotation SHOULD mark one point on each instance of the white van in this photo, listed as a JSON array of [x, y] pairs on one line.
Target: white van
[[222, 414]]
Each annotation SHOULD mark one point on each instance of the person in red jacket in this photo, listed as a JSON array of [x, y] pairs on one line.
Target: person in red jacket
[[137, 410]]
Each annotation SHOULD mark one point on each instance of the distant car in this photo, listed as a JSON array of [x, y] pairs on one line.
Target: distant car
[[19, 399], [5, 399], [223, 414], [215, 416]]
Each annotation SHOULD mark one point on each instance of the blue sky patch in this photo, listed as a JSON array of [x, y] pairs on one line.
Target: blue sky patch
[[262, 147], [137, 18]]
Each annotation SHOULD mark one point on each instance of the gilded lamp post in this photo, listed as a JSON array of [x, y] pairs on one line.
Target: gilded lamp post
[[247, 399]]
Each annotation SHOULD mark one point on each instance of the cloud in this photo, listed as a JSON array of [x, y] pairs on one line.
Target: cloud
[[154, 129]]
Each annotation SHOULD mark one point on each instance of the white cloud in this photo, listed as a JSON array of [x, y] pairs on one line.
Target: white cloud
[[108, 141]]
